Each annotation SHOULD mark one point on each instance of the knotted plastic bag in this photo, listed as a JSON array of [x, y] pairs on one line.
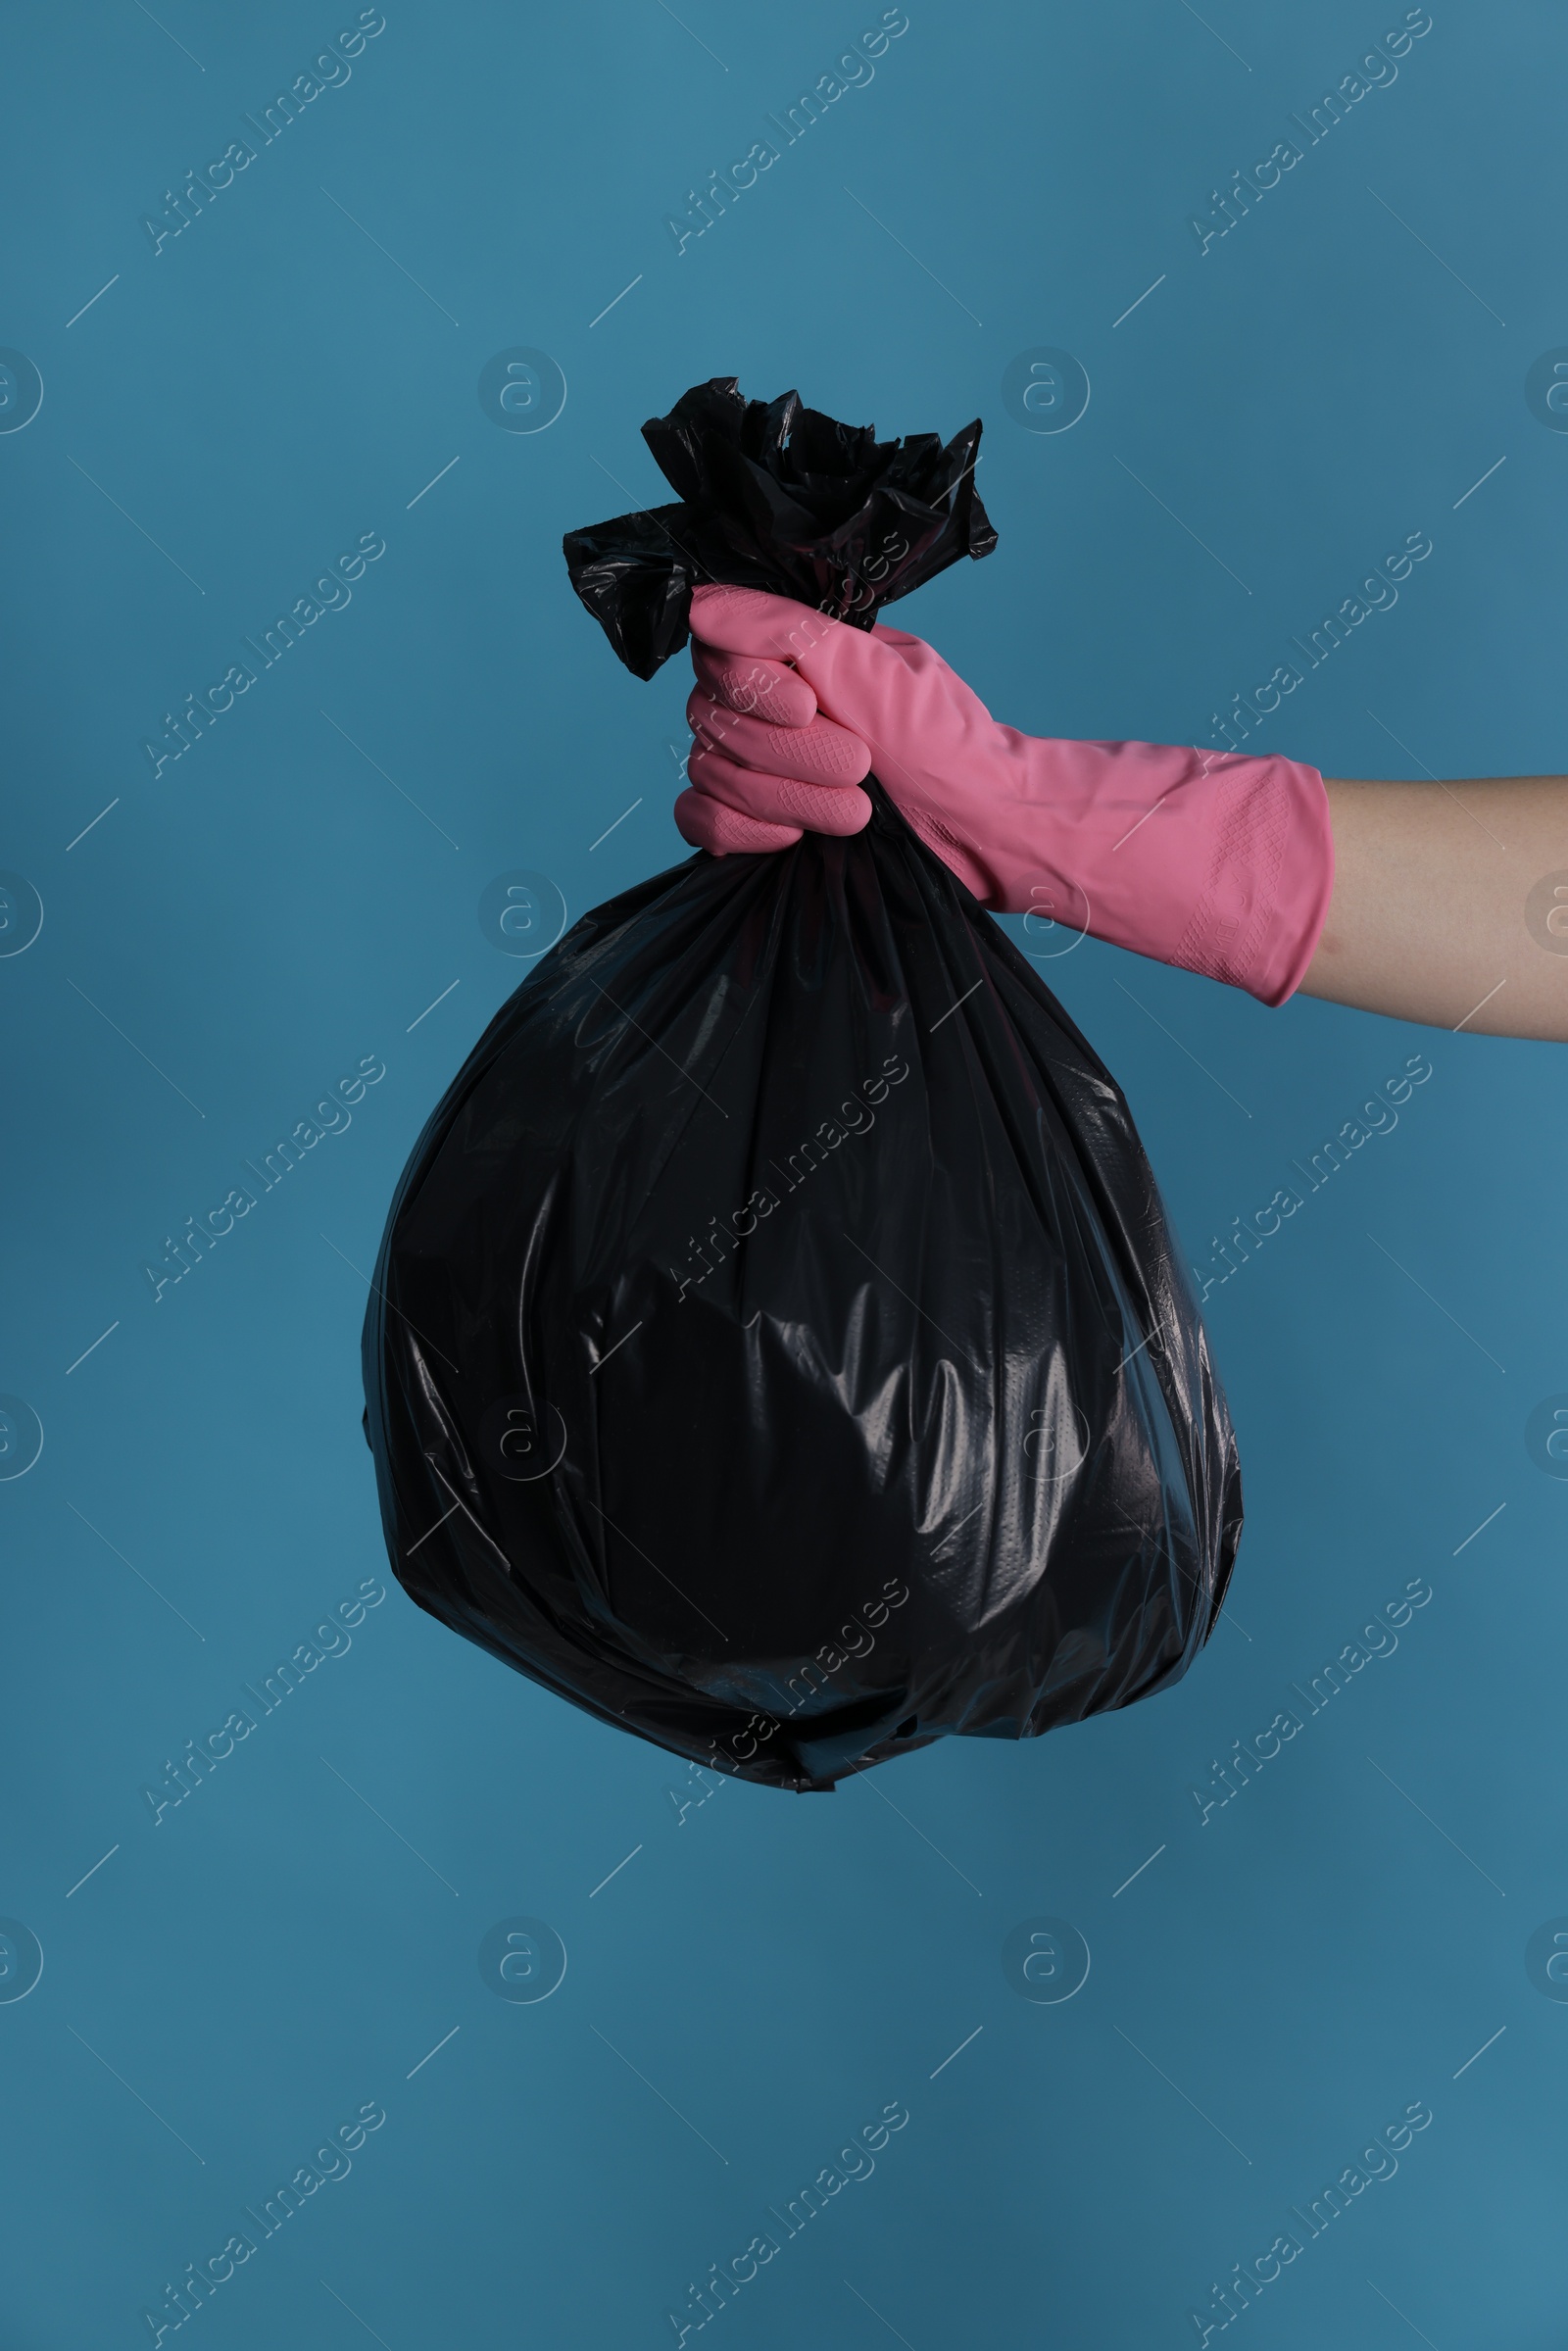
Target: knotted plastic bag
[[777, 1346]]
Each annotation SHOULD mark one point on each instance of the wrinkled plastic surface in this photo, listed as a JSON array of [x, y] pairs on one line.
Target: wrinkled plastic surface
[[775, 495], [777, 1346]]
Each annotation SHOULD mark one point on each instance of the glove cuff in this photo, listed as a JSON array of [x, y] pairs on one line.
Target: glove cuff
[[1265, 895]]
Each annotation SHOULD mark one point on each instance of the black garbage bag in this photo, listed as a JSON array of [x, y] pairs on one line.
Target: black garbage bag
[[777, 1346]]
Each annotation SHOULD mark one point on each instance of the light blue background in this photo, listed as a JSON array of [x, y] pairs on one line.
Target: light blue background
[[764, 1975]]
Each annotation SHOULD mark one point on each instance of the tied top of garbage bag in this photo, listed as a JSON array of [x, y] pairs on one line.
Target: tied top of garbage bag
[[775, 495]]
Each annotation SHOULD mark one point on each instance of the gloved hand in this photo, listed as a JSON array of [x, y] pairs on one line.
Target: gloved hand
[[1221, 862]]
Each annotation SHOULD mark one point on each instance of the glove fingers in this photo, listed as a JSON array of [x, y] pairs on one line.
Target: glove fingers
[[746, 620], [853, 672], [778, 800], [725, 831], [761, 688], [820, 753]]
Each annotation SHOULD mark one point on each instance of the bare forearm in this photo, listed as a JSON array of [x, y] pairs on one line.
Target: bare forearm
[[1433, 917]]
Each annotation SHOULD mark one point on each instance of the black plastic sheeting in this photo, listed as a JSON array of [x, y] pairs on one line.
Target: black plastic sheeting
[[777, 1346], [777, 496]]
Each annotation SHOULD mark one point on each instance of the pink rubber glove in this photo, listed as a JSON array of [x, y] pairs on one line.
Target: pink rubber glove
[[1220, 863]]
